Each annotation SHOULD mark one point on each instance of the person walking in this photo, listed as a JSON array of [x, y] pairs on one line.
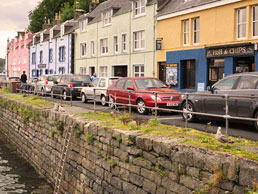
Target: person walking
[[93, 77], [23, 80]]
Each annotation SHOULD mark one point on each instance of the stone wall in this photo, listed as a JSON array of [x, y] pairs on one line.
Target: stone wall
[[106, 161]]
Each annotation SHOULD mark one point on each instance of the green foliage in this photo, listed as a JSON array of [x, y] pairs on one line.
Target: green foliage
[[78, 132], [90, 139], [154, 122], [60, 126], [135, 127], [24, 95], [112, 163], [67, 12], [52, 133], [119, 139]]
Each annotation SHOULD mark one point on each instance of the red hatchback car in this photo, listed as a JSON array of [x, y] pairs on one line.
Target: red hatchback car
[[143, 100]]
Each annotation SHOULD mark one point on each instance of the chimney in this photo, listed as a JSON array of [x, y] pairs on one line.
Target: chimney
[[78, 12], [47, 24], [58, 20], [93, 5]]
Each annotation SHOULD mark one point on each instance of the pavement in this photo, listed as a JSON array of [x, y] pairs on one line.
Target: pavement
[[235, 129]]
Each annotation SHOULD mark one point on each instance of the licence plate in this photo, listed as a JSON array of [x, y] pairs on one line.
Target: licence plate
[[172, 104], [79, 89]]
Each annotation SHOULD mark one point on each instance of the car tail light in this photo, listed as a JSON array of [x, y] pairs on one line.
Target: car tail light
[[70, 84], [46, 82]]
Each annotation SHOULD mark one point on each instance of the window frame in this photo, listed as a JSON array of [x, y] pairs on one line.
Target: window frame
[[50, 55], [141, 13], [104, 73], [185, 32], [115, 44], [140, 70], [141, 41], [61, 54], [124, 43], [33, 58], [41, 57], [83, 44], [197, 31], [107, 19], [103, 46], [256, 21], [237, 24], [92, 49]]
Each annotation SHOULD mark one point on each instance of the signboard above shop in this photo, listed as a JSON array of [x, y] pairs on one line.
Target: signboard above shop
[[230, 51], [42, 66]]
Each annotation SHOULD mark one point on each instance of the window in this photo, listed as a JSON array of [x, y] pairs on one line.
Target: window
[[24, 59], [46, 71], [196, 30], [139, 7], [226, 84], [124, 42], [255, 21], [107, 15], [241, 23], [104, 46], [83, 49], [19, 60], [129, 83], [33, 58], [138, 70], [51, 71], [247, 82], [83, 25], [102, 83], [61, 54], [115, 44], [92, 48], [41, 57], [188, 68], [186, 32], [139, 40], [61, 70], [50, 56], [103, 71], [83, 70], [120, 84]]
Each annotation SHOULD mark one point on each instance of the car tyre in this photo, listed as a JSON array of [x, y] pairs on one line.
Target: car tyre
[[190, 107], [84, 98], [256, 122], [111, 102], [65, 96], [141, 107], [103, 100]]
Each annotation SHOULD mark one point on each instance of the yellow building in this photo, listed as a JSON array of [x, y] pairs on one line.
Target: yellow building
[[205, 40]]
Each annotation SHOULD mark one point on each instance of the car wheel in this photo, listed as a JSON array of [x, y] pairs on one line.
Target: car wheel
[[256, 122], [52, 94], [111, 102], [141, 107], [65, 96], [190, 107], [84, 98], [103, 100], [42, 92]]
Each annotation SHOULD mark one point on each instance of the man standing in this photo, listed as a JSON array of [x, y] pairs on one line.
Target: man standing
[[24, 78], [93, 77]]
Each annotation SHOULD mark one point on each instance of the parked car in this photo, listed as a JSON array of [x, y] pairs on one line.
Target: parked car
[[16, 79], [70, 85], [31, 84], [143, 100], [241, 84], [100, 85], [2, 77], [45, 84]]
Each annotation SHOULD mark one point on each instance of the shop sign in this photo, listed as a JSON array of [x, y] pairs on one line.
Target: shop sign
[[158, 45], [41, 66], [230, 51], [172, 74]]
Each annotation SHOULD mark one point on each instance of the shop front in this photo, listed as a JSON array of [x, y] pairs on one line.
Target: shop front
[[229, 59]]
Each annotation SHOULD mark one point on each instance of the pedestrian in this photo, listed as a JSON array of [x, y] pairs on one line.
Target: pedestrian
[[93, 77], [23, 80]]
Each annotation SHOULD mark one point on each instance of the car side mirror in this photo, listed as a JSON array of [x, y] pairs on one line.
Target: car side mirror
[[130, 88], [210, 89]]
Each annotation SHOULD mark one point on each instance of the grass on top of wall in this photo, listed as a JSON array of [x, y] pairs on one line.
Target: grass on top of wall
[[29, 100], [241, 147]]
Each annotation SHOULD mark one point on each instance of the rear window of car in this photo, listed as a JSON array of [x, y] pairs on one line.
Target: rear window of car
[[247, 82], [80, 78]]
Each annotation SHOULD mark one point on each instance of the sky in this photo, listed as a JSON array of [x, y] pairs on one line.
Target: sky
[[13, 18]]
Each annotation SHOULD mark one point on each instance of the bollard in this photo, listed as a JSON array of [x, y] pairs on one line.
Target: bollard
[[94, 98], [130, 108], [226, 117], [186, 105], [156, 105]]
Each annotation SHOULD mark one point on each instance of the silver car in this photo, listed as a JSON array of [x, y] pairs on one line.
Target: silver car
[[100, 85], [45, 84]]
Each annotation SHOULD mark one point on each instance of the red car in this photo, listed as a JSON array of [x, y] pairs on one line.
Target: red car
[[144, 84]]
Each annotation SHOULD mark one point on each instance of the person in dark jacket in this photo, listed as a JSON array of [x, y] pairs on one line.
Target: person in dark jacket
[[24, 77]]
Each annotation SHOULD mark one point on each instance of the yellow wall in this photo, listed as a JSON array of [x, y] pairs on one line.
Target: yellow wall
[[217, 27]]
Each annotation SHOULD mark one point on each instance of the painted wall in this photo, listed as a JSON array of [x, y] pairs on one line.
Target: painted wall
[[96, 31], [217, 27]]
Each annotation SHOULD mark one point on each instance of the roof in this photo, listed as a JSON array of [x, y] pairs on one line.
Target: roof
[[172, 6]]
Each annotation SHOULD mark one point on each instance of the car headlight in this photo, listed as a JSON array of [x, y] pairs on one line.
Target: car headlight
[[182, 96], [153, 98]]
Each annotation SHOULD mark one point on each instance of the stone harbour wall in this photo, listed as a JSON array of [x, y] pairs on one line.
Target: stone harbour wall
[[107, 161]]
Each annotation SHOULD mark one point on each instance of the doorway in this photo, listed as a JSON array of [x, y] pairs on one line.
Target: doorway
[[216, 70], [119, 71], [92, 70], [162, 71]]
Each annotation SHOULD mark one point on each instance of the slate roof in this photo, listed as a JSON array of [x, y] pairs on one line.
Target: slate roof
[[172, 6]]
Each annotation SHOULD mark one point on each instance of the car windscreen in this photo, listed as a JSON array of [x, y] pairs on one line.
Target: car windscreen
[[80, 78], [111, 81], [149, 83]]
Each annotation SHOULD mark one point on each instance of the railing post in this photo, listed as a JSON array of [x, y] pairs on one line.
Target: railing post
[[94, 99], [71, 98], [186, 105], [226, 104], [156, 105], [130, 107], [109, 101]]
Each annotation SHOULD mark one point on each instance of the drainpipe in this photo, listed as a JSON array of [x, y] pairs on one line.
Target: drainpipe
[[68, 54], [154, 41], [130, 43], [97, 45]]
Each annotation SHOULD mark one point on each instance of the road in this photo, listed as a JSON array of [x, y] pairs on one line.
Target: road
[[235, 129]]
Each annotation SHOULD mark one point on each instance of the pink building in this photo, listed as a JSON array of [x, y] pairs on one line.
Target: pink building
[[18, 54]]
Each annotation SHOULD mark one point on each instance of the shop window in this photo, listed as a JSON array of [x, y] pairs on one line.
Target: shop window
[[186, 32], [241, 23], [216, 70], [255, 21], [244, 64], [188, 71]]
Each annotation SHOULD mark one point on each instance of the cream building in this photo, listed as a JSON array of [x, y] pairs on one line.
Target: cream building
[[117, 38]]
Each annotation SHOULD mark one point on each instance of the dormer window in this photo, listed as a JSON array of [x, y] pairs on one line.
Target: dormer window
[[83, 25], [62, 30], [139, 7], [41, 37], [107, 15]]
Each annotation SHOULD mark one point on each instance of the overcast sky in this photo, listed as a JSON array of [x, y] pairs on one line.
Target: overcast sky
[[13, 18]]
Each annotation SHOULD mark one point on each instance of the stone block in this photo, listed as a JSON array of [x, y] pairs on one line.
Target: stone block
[[144, 142], [129, 188], [136, 179], [149, 186], [189, 182]]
